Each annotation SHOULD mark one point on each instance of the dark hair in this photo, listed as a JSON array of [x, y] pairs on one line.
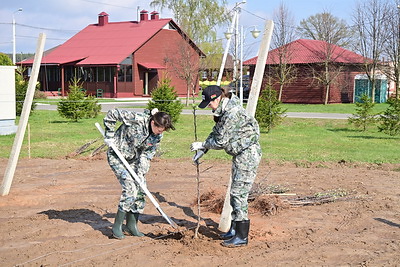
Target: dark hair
[[226, 93], [163, 119]]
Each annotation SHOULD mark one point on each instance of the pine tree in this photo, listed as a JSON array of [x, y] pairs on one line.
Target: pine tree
[[165, 98], [390, 119], [269, 113], [77, 106], [363, 116]]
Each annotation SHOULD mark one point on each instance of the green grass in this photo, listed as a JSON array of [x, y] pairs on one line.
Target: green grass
[[331, 108], [295, 140]]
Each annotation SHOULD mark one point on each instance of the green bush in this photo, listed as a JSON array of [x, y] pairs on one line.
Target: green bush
[[390, 119], [165, 98], [21, 86], [363, 116], [5, 60], [269, 112], [77, 106]]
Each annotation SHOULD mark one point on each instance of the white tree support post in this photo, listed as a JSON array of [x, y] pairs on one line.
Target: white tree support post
[[26, 109], [226, 218], [260, 68]]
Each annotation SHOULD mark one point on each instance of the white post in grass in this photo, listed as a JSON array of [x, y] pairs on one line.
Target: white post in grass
[[26, 109]]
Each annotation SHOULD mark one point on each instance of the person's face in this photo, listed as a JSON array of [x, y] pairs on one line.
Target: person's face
[[214, 103], [156, 129]]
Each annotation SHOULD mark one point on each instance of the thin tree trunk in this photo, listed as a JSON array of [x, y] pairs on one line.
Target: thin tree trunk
[[280, 92]]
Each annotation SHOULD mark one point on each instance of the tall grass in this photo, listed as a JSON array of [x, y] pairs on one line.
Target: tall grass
[[294, 140]]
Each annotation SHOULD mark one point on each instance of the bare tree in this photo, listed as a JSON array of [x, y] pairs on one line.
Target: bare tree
[[333, 34], [392, 45], [327, 72], [284, 33], [185, 65], [326, 27], [370, 19]]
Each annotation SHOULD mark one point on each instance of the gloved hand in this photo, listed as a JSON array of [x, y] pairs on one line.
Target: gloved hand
[[196, 146], [199, 153]]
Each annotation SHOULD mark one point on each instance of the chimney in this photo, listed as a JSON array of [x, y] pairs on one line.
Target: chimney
[[154, 15], [103, 18], [144, 16]]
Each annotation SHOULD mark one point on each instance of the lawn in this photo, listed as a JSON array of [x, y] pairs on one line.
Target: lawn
[[294, 140]]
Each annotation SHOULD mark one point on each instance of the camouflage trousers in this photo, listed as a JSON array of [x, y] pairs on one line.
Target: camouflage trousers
[[244, 171], [132, 196]]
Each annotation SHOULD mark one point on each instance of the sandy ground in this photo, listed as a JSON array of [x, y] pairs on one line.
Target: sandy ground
[[60, 212]]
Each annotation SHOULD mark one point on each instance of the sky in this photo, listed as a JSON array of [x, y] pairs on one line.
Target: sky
[[60, 20]]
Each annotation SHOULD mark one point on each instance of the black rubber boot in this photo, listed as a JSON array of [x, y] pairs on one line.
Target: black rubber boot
[[117, 227], [131, 224], [231, 232], [241, 237]]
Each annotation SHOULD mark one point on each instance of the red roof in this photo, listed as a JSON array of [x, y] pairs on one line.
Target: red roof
[[109, 44], [305, 51]]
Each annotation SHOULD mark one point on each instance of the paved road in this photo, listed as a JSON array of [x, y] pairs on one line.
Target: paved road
[[131, 106]]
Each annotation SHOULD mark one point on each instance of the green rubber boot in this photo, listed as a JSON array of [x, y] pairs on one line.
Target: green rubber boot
[[131, 223], [117, 227]]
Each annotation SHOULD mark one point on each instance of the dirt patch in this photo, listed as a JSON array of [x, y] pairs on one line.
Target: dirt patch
[[60, 213]]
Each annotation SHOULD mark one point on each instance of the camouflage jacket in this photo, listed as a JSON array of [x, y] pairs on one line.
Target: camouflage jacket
[[235, 131], [133, 137]]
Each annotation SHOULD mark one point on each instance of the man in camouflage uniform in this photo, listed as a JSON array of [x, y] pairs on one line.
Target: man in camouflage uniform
[[137, 139], [238, 134]]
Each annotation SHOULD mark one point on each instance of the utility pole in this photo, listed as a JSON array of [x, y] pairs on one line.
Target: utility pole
[[13, 28]]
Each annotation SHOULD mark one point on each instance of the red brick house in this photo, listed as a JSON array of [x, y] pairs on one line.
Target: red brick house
[[122, 59], [308, 57]]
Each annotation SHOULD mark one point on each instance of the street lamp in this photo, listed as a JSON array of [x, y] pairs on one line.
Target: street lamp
[[235, 22], [13, 27]]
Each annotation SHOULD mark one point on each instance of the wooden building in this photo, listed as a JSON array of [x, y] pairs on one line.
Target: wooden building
[[119, 59], [308, 57]]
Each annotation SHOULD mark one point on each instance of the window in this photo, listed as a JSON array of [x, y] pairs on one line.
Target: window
[[125, 73]]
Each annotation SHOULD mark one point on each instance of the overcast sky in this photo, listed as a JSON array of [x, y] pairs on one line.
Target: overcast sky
[[62, 19]]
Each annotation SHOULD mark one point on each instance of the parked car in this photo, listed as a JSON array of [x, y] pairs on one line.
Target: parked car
[[234, 87]]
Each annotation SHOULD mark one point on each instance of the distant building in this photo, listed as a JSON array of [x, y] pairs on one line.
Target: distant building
[[210, 67], [308, 57], [119, 59]]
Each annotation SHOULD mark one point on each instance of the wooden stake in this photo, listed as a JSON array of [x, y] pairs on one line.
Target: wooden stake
[[26, 109]]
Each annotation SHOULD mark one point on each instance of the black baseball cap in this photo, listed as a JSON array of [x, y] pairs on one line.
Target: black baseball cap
[[210, 93]]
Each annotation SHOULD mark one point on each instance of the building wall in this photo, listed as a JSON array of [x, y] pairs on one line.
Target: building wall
[[163, 48], [306, 90]]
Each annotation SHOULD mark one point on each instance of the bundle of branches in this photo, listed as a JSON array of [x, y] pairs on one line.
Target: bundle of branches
[[322, 198], [260, 189], [85, 148]]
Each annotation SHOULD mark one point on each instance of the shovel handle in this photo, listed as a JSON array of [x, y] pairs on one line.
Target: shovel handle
[[137, 179]]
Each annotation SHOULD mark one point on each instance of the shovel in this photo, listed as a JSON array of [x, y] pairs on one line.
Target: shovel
[[137, 179]]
